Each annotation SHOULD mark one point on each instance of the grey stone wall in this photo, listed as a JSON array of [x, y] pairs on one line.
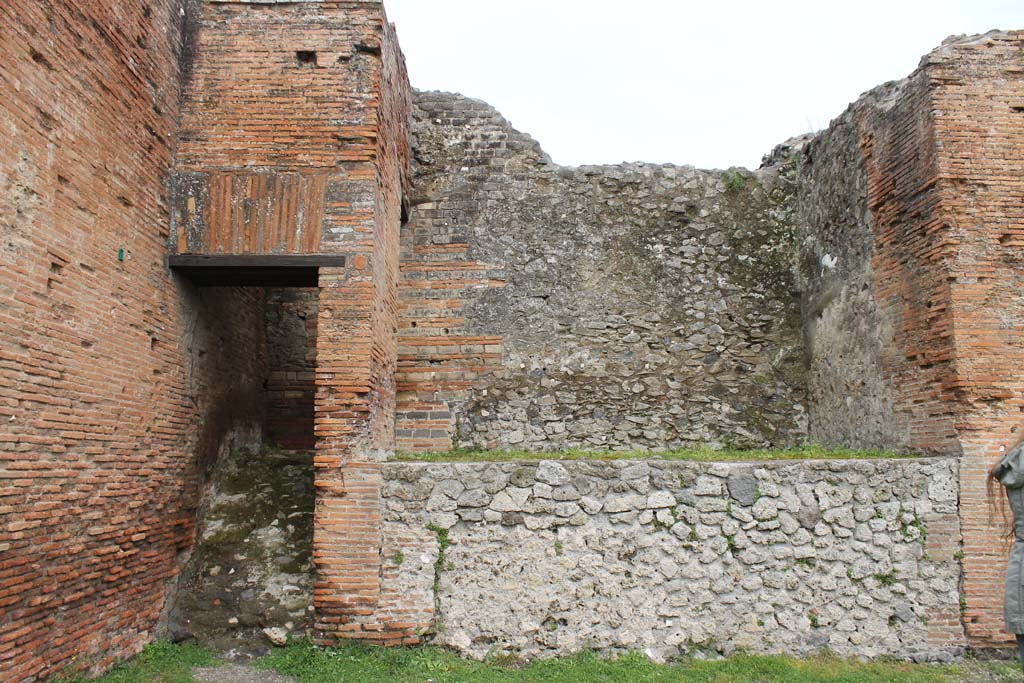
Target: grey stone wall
[[549, 558], [643, 306]]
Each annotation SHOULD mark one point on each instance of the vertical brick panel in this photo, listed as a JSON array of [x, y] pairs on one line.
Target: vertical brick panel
[[346, 538], [910, 264], [356, 358], [978, 105], [945, 169]]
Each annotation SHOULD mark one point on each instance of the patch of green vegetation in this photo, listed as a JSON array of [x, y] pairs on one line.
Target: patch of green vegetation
[[849, 575], [887, 579], [915, 523], [398, 558], [734, 181], [160, 662], [695, 454], [730, 542], [163, 662], [443, 543], [918, 523], [311, 664], [559, 548]]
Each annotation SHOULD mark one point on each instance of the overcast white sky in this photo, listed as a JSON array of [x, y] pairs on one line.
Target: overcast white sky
[[711, 83]]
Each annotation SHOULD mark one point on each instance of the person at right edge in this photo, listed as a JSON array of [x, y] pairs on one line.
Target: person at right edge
[[1009, 472]]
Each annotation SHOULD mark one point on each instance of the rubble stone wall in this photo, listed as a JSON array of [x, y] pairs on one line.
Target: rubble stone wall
[[548, 558], [632, 306]]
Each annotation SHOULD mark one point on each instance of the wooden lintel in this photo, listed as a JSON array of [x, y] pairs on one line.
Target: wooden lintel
[[253, 270]]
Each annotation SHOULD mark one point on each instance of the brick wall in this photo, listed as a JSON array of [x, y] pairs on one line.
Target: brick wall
[[113, 376], [978, 104], [292, 178], [356, 356], [874, 276], [291, 355], [321, 169], [441, 359]]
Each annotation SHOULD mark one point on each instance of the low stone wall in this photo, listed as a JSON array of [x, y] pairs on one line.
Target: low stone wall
[[549, 558]]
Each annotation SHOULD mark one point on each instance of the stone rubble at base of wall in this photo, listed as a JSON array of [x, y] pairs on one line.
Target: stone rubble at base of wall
[[553, 557]]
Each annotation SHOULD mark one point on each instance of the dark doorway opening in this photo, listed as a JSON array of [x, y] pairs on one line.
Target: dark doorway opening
[[291, 317], [249, 577]]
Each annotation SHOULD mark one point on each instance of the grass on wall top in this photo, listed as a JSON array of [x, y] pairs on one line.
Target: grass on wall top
[[694, 454]]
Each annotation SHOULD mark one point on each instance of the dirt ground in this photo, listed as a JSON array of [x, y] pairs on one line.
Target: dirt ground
[[252, 566]]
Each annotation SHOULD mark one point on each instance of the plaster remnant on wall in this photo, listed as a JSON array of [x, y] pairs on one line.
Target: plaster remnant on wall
[[19, 207]]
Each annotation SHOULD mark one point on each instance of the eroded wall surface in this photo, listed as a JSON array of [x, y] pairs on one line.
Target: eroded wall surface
[[118, 384], [632, 306], [549, 558], [874, 265], [251, 567]]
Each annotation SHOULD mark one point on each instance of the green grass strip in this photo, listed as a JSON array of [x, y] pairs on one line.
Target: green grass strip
[[160, 662], [355, 664], [696, 454]]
